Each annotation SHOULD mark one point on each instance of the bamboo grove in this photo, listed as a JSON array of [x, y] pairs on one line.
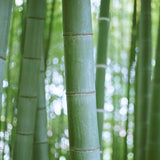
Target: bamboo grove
[[79, 80]]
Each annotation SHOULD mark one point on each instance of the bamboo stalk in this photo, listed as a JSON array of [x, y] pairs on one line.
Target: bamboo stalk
[[101, 64], [15, 105], [29, 81], [80, 82], [8, 79], [40, 138], [5, 16], [144, 80], [48, 40], [131, 60], [153, 143]]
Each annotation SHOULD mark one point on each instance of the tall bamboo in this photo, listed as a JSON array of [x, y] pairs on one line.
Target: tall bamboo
[[153, 142], [101, 64], [29, 80], [5, 16], [15, 105], [144, 80], [131, 60], [136, 95], [114, 134], [40, 138], [80, 82], [50, 29], [8, 96]]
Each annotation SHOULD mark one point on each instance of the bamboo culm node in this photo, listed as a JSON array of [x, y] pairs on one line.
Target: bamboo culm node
[[79, 93]]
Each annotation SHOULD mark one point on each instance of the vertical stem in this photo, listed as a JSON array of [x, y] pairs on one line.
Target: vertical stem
[[40, 138], [48, 40], [101, 64], [15, 105], [8, 79], [144, 79], [29, 80], [5, 16], [80, 82], [153, 143], [131, 60]]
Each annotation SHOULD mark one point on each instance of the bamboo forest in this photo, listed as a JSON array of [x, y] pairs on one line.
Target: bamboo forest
[[79, 80]]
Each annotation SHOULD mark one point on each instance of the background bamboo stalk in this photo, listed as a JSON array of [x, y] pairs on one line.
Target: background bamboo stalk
[[29, 80], [153, 143], [144, 80], [8, 96], [49, 35], [101, 64], [40, 138], [131, 60], [15, 105], [5, 16]]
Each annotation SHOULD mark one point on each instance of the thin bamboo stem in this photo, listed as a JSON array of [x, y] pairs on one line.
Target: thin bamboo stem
[[5, 16], [29, 81], [153, 143], [101, 61], [131, 60], [144, 80]]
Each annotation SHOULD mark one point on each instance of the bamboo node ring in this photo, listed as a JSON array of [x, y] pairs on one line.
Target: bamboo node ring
[[100, 110], [41, 108], [2, 58], [101, 66], [30, 97], [25, 133], [36, 18], [79, 93], [84, 150], [104, 19], [32, 58], [42, 142], [78, 34]]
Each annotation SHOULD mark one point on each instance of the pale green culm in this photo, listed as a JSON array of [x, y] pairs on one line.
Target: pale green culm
[[29, 80], [130, 65], [40, 138], [101, 64], [80, 80]]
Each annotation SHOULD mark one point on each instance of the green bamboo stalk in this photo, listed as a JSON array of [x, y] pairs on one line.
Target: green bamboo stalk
[[135, 110], [23, 24], [40, 138], [5, 16], [80, 83], [60, 131], [114, 136], [144, 80], [101, 65], [15, 105], [29, 80], [48, 40], [131, 60], [136, 95], [8, 78], [153, 142]]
